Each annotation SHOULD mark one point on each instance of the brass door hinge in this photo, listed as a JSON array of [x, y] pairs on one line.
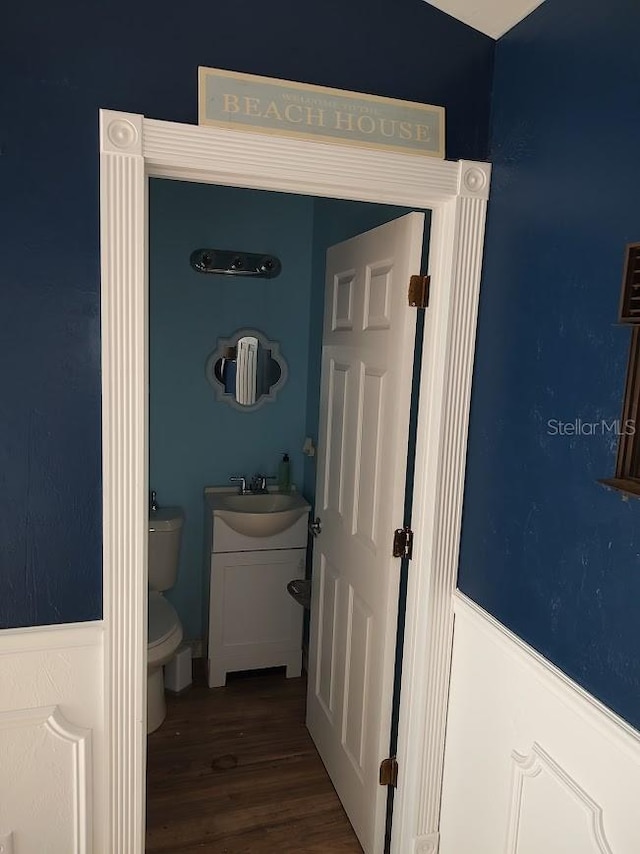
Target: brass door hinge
[[389, 772], [419, 287], [403, 542]]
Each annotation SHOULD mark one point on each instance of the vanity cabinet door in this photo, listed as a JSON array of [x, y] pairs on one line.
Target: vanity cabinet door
[[253, 621]]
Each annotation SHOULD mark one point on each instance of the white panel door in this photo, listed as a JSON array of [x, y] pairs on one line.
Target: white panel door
[[367, 360]]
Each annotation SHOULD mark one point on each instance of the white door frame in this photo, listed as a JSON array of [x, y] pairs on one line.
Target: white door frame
[[133, 148]]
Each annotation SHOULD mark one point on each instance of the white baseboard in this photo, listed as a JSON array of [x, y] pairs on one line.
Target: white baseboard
[[52, 787], [533, 762]]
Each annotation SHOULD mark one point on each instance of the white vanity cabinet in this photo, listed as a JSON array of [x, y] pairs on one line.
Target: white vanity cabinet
[[253, 622]]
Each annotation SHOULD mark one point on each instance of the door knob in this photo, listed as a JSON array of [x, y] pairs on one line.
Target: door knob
[[315, 527]]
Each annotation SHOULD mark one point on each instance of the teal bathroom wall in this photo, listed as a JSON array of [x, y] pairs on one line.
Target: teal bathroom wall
[[196, 440]]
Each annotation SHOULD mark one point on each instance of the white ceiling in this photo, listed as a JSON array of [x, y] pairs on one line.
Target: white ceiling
[[492, 17]]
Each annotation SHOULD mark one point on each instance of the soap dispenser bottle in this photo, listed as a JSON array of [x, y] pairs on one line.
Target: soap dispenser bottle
[[284, 474]]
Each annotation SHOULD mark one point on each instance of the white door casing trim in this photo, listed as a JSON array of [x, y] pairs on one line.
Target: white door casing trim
[[133, 148]]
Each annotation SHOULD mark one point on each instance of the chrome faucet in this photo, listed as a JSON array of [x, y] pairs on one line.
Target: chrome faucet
[[257, 486], [242, 489], [259, 483]]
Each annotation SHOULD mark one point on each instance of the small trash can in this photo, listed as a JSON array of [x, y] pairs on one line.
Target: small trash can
[[178, 674], [300, 589]]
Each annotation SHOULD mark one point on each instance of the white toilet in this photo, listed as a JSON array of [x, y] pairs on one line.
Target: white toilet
[[165, 629]]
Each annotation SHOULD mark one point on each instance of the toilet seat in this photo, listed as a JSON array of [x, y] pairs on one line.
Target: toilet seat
[[164, 631]]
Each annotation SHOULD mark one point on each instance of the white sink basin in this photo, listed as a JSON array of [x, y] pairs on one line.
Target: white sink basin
[[259, 515]]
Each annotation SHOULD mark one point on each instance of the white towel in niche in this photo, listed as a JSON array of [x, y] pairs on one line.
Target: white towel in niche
[[247, 363]]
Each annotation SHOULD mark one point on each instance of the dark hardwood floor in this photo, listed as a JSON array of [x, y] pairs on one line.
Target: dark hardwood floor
[[234, 771]]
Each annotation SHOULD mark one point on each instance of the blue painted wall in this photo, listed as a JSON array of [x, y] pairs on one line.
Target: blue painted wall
[[545, 548], [196, 440], [58, 65]]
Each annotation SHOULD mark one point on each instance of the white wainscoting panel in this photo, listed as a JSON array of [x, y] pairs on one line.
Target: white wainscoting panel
[[533, 763], [52, 787]]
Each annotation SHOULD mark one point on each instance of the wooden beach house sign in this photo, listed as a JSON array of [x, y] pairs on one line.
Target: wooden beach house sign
[[268, 105]]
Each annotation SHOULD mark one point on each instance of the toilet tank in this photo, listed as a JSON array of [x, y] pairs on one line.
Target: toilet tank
[[165, 533]]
